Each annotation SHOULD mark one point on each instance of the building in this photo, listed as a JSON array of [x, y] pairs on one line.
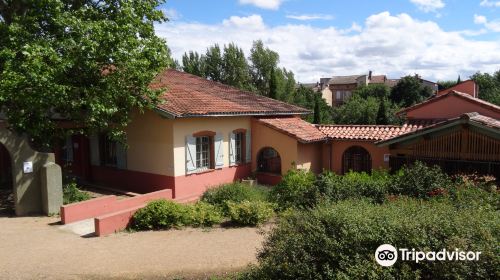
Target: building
[[206, 134]]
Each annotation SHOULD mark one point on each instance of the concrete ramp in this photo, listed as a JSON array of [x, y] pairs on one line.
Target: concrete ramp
[[108, 213]]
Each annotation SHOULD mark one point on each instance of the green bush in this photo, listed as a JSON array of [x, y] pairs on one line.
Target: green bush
[[204, 215], [296, 189], [250, 213], [161, 214], [166, 214], [420, 180], [72, 194], [354, 185], [338, 241], [235, 192]]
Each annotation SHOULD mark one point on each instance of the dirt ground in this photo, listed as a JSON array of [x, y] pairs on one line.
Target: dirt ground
[[36, 248]]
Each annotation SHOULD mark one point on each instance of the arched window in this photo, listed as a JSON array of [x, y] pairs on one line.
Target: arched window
[[357, 159], [268, 160]]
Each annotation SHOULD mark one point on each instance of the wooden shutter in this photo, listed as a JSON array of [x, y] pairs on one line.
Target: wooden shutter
[[121, 156], [232, 149], [219, 150], [94, 150], [248, 143], [190, 154]]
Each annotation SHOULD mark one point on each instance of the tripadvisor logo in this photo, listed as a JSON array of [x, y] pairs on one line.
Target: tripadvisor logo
[[387, 255]]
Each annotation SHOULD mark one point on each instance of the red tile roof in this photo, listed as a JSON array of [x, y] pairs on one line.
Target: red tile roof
[[365, 132], [380, 79], [462, 95], [187, 95], [295, 127]]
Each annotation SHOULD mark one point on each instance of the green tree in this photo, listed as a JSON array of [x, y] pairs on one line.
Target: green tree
[[88, 61], [459, 80], [308, 98], [263, 60], [357, 110], [193, 63], [446, 84], [273, 85], [317, 111], [408, 91], [235, 69], [489, 86], [382, 113], [213, 63], [374, 90]]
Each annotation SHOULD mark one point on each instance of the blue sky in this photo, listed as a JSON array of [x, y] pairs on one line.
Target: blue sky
[[439, 39]]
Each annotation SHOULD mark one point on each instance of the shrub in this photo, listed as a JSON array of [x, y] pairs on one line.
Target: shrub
[[161, 214], [250, 213], [296, 189], [354, 185], [72, 194], [204, 215], [236, 192], [474, 197], [420, 180], [338, 241]]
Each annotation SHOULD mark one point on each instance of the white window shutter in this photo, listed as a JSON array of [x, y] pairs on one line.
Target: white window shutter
[[121, 156], [232, 149], [94, 150], [190, 154], [219, 150], [248, 142]]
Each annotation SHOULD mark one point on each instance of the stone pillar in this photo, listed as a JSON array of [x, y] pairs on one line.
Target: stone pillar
[[51, 184]]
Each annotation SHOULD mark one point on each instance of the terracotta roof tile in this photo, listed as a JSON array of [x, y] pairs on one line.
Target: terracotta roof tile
[[295, 127], [187, 95], [365, 132]]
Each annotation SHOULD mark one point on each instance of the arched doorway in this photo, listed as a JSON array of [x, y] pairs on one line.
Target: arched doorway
[[269, 161], [6, 189], [357, 159]]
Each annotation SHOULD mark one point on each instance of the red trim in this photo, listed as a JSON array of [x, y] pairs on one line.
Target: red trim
[[204, 133], [268, 179], [135, 181]]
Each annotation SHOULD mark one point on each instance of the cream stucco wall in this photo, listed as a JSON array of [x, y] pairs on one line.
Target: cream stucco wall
[[150, 144], [187, 126], [285, 145]]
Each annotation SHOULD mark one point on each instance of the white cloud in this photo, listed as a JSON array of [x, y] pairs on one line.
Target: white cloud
[[395, 45], [428, 5], [487, 3], [172, 14], [310, 17], [263, 4], [250, 22], [489, 25]]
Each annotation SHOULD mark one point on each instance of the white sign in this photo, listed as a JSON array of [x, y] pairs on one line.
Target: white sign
[[28, 167], [386, 157]]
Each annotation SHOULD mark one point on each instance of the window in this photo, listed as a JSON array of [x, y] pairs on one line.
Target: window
[[203, 152], [347, 95], [339, 95], [238, 155], [109, 151], [67, 150], [269, 161]]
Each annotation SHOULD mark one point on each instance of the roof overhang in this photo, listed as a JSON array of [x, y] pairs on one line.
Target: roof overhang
[[170, 115], [440, 127]]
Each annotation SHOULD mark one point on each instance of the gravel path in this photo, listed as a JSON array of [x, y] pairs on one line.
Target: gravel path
[[31, 248]]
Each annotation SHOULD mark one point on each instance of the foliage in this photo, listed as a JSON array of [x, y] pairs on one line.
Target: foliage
[[88, 61], [296, 189], [446, 84], [373, 186], [338, 241], [235, 192], [489, 86], [373, 90], [161, 214], [250, 213], [262, 62], [204, 215], [421, 181], [72, 194], [382, 117], [357, 110], [408, 91], [307, 98]]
